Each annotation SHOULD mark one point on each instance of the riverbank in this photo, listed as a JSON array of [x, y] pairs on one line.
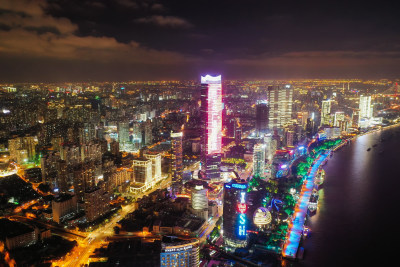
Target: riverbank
[[357, 197], [295, 232]]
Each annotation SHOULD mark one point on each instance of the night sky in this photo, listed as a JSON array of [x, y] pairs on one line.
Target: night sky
[[82, 40]]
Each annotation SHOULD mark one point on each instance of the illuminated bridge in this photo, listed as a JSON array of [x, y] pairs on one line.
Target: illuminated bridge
[[392, 91]]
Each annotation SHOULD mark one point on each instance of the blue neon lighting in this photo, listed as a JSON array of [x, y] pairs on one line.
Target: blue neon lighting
[[242, 225], [242, 218], [239, 186], [242, 230], [227, 186]]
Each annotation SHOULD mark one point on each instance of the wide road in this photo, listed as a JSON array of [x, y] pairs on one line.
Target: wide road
[[356, 223]]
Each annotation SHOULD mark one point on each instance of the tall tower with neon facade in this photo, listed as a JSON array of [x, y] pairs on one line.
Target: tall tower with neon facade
[[211, 114], [235, 219]]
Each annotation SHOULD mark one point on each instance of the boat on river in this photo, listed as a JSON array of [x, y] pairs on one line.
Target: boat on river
[[319, 179], [313, 202]]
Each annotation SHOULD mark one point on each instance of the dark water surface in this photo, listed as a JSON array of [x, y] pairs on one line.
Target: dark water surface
[[358, 218]]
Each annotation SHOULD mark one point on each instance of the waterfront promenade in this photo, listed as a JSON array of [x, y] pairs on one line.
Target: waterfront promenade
[[296, 226]]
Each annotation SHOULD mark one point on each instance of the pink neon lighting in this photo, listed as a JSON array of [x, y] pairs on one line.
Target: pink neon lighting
[[241, 207], [214, 119]]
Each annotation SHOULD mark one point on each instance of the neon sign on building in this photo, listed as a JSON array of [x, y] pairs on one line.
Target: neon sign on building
[[239, 186], [214, 118], [242, 208]]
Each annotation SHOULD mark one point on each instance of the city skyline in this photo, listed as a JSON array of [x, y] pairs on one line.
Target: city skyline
[[47, 41], [197, 133]]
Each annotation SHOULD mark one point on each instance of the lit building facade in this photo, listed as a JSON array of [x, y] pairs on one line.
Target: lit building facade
[[280, 100], [211, 114], [142, 171], [262, 114], [259, 160], [123, 134], [234, 214], [270, 147], [155, 165], [97, 203], [326, 112], [339, 117], [22, 149], [180, 252], [200, 201], [365, 110], [62, 206], [177, 160]]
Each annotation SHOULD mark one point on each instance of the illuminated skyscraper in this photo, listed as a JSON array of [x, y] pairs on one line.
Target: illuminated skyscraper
[[262, 113], [235, 220], [339, 117], [177, 163], [238, 133], [200, 201], [280, 99], [155, 164], [87, 133], [326, 112], [211, 114], [365, 107], [123, 134], [142, 171], [259, 160]]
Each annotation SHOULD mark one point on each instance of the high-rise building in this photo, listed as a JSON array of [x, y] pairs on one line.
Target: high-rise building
[[365, 107], [97, 203], [155, 164], [259, 160], [87, 133], [200, 201], [355, 118], [147, 133], [123, 134], [262, 114], [22, 149], [280, 100], [270, 147], [235, 220], [290, 138], [91, 152], [13, 145], [326, 112], [71, 154], [57, 142], [62, 176], [179, 252], [238, 133], [142, 171], [339, 118], [211, 115], [62, 206], [177, 162], [29, 143], [114, 147], [84, 178]]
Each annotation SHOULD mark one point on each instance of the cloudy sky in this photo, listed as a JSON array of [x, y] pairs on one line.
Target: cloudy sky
[[83, 40]]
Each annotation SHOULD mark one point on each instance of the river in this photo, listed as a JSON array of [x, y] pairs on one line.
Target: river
[[356, 221]]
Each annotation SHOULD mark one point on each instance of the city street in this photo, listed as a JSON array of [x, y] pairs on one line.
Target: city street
[[81, 254]]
